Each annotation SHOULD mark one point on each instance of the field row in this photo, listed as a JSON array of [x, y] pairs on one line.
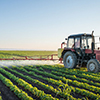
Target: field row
[[48, 82], [11, 54]]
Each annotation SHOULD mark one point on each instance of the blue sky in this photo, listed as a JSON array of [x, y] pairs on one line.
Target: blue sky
[[44, 24]]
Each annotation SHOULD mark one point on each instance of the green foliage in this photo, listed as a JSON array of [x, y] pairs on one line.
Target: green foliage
[[50, 88], [41, 69], [26, 85], [11, 54], [0, 96], [76, 83], [13, 87], [66, 82]]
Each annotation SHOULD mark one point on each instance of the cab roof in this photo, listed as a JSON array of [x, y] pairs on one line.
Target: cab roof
[[79, 35]]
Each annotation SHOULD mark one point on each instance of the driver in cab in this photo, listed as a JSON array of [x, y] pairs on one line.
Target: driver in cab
[[77, 43]]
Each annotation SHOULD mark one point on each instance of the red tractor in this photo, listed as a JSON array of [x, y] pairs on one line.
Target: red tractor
[[80, 51]]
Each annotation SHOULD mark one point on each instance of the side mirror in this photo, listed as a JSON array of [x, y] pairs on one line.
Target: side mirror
[[66, 39], [63, 42]]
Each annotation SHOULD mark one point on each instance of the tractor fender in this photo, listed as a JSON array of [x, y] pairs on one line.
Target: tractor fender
[[66, 50]]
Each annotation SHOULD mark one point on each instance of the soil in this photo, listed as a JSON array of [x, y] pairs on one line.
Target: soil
[[6, 93]]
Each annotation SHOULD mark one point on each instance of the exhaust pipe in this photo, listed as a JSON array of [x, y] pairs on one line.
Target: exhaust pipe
[[92, 44], [92, 33]]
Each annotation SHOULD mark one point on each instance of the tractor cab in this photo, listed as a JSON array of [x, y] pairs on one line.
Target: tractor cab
[[76, 42], [82, 41]]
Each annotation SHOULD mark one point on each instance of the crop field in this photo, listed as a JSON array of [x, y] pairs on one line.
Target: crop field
[[48, 82], [11, 54]]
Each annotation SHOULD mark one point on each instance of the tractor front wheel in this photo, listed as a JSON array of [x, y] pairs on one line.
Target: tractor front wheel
[[70, 59], [93, 66]]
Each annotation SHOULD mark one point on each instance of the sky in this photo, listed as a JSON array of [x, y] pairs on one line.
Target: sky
[[44, 24]]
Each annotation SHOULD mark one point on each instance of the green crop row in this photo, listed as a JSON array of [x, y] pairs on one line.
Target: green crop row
[[21, 94], [60, 67], [77, 90], [28, 86], [73, 77], [50, 80], [82, 75], [11, 54], [76, 83], [0, 96], [63, 94], [88, 73], [80, 84], [70, 72]]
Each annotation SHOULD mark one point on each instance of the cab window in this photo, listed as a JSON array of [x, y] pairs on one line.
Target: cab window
[[84, 45], [77, 42], [89, 41], [70, 42]]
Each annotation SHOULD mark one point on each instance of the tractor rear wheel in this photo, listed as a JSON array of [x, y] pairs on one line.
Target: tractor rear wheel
[[70, 59], [93, 66]]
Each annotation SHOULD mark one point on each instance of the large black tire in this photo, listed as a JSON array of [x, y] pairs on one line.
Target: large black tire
[[70, 59], [93, 66]]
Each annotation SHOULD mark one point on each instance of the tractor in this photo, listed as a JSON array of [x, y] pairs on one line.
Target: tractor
[[80, 52]]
